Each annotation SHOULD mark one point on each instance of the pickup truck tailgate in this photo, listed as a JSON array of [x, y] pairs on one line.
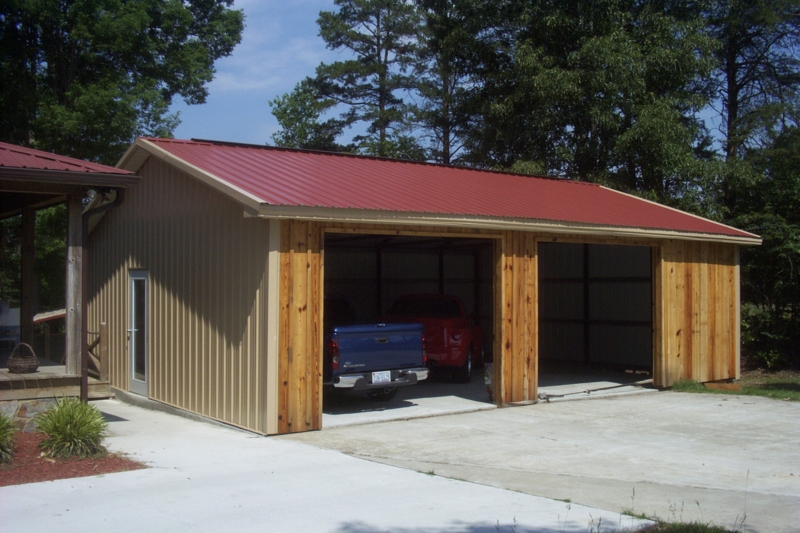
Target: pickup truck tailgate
[[379, 347]]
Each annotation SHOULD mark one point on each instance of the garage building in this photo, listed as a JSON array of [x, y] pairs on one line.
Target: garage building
[[212, 273]]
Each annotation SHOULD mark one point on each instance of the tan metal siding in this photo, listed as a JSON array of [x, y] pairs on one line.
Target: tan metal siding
[[207, 268]]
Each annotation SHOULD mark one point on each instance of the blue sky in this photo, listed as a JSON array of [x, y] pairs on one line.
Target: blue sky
[[279, 47]]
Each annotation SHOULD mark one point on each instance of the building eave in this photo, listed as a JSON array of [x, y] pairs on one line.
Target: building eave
[[67, 177], [363, 216]]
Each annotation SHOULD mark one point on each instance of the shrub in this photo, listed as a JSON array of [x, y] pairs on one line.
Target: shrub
[[6, 439], [71, 429]]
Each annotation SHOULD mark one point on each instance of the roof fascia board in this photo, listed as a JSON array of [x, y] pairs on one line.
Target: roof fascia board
[[131, 158], [69, 177], [37, 187], [366, 216], [698, 217]]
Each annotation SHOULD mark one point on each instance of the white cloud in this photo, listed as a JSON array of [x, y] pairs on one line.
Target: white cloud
[[273, 66], [279, 47]]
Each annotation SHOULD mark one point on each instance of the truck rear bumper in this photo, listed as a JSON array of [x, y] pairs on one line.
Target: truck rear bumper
[[363, 381]]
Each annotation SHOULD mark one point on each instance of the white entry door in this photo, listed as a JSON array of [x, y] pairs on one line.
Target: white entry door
[[137, 332]]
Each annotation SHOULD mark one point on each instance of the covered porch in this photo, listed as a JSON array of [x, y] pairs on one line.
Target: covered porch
[[71, 359]]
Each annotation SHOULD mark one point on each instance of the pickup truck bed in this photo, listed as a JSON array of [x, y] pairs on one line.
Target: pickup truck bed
[[375, 358]]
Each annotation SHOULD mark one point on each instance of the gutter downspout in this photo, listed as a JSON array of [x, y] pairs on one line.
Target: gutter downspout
[[120, 196]]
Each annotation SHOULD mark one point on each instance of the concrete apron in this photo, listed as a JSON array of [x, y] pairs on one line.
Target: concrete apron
[[208, 477], [730, 460], [437, 397]]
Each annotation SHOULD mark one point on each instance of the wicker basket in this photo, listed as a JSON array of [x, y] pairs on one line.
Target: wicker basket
[[23, 360]]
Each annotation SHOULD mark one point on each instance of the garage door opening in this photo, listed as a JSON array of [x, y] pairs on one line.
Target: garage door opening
[[370, 272], [595, 318]]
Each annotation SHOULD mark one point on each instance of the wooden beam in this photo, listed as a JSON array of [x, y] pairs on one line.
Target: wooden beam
[[74, 279], [40, 188], [28, 296], [300, 344]]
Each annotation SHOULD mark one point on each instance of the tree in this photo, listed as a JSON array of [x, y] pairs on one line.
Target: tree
[[758, 68], [769, 206], [440, 84], [299, 113], [602, 91], [757, 79], [85, 77], [381, 34], [10, 258], [50, 258]]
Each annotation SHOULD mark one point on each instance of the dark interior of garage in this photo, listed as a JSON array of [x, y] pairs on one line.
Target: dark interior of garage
[[372, 271], [595, 305], [595, 313]]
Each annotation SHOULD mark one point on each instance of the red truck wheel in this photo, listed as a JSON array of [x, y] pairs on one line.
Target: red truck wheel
[[464, 374]]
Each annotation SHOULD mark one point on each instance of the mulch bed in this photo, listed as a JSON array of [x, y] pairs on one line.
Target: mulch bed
[[28, 466]]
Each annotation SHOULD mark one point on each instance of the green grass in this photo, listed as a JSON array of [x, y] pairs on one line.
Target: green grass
[[683, 527], [778, 386], [634, 514], [6, 439], [72, 429]]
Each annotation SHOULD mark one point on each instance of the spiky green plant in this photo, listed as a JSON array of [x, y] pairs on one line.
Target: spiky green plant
[[71, 429], [6, 439]]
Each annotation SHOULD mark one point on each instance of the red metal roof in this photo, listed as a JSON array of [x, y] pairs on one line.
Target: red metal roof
[[13, 156], [286, 177]]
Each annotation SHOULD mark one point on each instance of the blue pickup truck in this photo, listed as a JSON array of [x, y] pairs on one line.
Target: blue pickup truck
[[374, 358]]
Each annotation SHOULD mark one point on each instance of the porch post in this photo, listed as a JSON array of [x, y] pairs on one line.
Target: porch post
[[28, 296], [74, 280]]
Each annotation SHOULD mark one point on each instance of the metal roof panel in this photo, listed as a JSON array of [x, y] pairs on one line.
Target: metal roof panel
[[286, 177], [13, 156]]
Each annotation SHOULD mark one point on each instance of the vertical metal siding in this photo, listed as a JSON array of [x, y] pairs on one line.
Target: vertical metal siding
[[208, 285]]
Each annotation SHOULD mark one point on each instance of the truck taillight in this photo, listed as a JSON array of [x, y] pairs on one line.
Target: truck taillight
[[333, 349], [424, 352]]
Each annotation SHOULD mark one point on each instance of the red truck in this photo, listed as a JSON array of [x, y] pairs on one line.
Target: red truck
[[452, 340]]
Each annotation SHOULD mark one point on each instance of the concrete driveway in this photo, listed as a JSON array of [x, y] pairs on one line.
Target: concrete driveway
[[210, 478], [730, 460]]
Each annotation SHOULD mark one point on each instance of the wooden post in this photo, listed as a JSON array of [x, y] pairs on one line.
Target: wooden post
[[28, 300], [83, 294], [74, 262]]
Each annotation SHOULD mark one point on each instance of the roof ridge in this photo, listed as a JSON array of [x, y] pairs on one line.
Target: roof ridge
[[366, 157]]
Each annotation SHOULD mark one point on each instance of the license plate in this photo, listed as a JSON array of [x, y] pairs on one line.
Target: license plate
[[384, 376]]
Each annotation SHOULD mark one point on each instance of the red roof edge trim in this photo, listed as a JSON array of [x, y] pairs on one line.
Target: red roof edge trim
[[686, 213]]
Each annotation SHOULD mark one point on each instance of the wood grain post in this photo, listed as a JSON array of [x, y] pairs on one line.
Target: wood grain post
[[74, 260], [28, 296]]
